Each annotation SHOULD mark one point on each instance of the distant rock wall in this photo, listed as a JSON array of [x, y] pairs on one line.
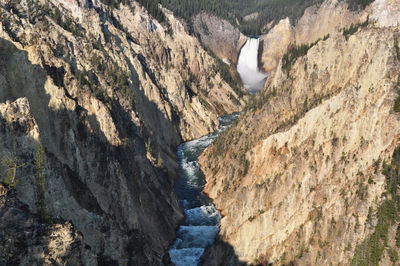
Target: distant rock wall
[[220, 36]]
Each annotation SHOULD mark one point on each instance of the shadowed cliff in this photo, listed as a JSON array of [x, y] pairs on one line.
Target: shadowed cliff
[[106, 190]]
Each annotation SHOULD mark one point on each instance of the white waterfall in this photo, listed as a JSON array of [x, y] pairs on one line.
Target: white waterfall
[[247, 66]]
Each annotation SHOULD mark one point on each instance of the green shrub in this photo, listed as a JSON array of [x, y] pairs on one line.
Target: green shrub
[[295, 52], [11, 168], [396, 106], [354, 28]]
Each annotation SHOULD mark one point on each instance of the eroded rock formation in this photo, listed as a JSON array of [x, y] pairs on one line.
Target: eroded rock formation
[[298, 177]]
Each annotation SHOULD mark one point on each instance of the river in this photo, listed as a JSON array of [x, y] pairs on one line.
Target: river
[[202, 219]]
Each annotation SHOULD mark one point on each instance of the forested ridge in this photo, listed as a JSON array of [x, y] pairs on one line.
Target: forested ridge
[[235, 11], [263, 11]]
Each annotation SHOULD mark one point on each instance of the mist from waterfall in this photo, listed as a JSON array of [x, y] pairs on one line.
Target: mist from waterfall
[[253, 79]]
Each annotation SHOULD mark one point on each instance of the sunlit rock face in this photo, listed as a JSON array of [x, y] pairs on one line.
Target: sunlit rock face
[[298, 175]]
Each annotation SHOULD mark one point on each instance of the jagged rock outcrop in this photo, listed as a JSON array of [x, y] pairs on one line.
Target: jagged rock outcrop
[[319, 21], [23, 236], [316, 22], [108, 93], [298, 177], [274, 45]]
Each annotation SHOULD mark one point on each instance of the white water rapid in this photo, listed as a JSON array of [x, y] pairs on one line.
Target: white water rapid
[[202, 219], [253, 79]]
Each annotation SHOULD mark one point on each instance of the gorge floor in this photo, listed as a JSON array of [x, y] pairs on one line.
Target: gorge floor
[[202, 219]]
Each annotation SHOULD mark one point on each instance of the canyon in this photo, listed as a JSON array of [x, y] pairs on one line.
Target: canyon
[[105, 112]]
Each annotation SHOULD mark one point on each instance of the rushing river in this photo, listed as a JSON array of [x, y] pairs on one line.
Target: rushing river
[[202, 219]]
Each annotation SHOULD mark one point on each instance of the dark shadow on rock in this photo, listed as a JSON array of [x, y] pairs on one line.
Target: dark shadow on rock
[[95, 172], [25, 238], [220, 253]]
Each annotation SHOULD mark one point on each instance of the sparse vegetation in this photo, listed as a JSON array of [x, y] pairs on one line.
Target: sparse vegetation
[[112, 3], [393, 255], [152, 6], [295, 52], [11, 165], [41, 185], [66, 22], [160, 161], [397, 49], [225, 71], [113, 74], [261, 99], [354, 28], [148, 146], [356, 5], [371, 250]]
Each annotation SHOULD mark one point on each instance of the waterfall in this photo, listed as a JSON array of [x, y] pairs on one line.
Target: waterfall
[[247, 67]]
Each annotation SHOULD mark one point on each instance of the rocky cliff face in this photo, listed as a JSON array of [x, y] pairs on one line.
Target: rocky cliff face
[[108, 93], [220, 36], [319, 21], [316, 22], [298, 177], [26, 241]]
